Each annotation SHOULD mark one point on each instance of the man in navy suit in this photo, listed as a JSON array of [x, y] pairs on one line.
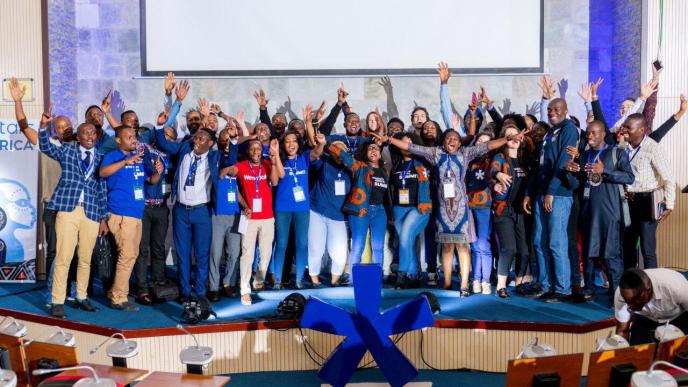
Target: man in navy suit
[[80, 201], [193, 185]]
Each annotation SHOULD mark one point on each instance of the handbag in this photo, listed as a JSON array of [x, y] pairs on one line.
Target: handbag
[[105, 261]]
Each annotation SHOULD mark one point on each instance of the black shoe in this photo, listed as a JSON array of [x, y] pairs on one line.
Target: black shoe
[[125, 307], [524, 290], [182, 299], [557, 298], [402, 281], [57, 310], [85, 305], [214, 296], [414, 283], [502, 293], [543, 295], [144, 299], [228, 291], [578, 298]]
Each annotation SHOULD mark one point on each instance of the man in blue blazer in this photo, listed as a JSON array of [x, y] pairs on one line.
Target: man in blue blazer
[[80, 199], [193, 189]]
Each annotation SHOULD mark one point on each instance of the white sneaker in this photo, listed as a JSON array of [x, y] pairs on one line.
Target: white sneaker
[[246, 300], [487, 288], [476, 287]]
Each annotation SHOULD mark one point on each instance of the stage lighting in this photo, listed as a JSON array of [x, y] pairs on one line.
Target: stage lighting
[[119, 350], [8, 378], [653, 377], [14, 328], [195, 357], [95, 381], [668, 332], [534, 349], [432, 300], [292, 306], [611, 342]]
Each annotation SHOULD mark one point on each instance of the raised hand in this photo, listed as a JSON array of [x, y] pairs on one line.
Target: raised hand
[[320, 139], [443, 71], [16, 91], [684, 104], [647, 89], [274, 148], [656, 73], [506, 106], [321, 111], [47, 115], [547, 86], [594, 86], [261, 98], [215, 108], [169, 83], [341, 94], [240, 117], [585, 92], [563, 87], [162, 118], [307, 112], [383, 138], [203, 107], [386, 84], [533, 109], [182, 90], [456, 121], [482, 97], [106, 106], [134, 159], [159, 167]]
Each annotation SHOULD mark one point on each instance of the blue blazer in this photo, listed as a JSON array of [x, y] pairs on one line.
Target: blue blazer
[[216, 159], [72, 181]]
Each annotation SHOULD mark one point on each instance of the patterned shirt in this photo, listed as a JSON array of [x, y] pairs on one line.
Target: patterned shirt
[[651, 170]]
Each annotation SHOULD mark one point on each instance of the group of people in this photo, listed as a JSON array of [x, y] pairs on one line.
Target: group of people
[[255, 197]]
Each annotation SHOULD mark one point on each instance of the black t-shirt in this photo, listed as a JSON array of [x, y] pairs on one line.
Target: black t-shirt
[[379, 187], [517, 181], [411, 182]]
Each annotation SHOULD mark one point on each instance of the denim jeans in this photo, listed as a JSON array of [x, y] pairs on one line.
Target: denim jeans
[[325, 233], [481, 250], [550, 241], [283, 222], [375, 220], [409, 224]]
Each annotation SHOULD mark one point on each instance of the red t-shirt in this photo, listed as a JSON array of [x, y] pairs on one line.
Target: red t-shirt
[[247, 176]]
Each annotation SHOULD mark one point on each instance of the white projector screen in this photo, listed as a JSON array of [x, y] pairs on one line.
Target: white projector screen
[[355, 37]]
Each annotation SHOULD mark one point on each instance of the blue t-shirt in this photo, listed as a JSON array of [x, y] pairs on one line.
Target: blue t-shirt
[[292, 191], [226, 196], [323, 198], [125, 187], [243, 150], [162, 190]]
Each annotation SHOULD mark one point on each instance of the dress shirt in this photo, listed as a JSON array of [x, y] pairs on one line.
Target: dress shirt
[[669, 297], [651, 170], [200, 193]]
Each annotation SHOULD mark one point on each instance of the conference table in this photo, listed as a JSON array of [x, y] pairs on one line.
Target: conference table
[[126, 376]]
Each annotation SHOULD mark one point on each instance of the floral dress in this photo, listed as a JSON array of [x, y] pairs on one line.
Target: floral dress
[[454, 219]]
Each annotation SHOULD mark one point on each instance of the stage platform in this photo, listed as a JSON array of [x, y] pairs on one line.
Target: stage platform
[[480, 332]]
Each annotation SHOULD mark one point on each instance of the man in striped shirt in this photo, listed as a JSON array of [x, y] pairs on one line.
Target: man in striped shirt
[[652, 173]]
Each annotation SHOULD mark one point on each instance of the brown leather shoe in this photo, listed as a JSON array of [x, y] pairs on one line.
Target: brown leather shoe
[[214, 296], [228, 291]]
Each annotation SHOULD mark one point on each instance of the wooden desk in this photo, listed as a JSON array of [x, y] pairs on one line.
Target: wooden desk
[[167, 379], [119, 374], [669, 349], [13, 346], [601, 363], [521, 372]]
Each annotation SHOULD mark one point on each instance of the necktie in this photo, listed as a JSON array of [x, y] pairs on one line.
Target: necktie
[[191, 177], [86, 162]]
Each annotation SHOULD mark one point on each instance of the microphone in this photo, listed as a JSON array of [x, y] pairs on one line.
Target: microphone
[[654, 377], [95, 381], [97, 347], [181, 328]]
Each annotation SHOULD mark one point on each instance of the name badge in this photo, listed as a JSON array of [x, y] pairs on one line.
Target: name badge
[[299, 195], [449, 190], [166, 188], [339, 188], [231, 196], [404, 196], [586, 192], [138, 192], [257, 205]]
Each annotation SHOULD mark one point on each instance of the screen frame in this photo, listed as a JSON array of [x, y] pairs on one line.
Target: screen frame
[[145, 72]]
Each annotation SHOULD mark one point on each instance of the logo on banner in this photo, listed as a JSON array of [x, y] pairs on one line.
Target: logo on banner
[[16, 213]]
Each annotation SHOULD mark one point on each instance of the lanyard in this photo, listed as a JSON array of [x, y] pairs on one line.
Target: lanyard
[[260, 170], [596, 156], [404, 173], [352, 150], [293, 171], [628, 151], [450, 173], [88, 168], [548, 137]]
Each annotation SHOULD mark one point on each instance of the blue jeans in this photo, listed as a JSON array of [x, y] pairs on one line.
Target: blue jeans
[[283, 222], [409, 223], [192, 227], [481, 250], [550, 241], [375, 220]]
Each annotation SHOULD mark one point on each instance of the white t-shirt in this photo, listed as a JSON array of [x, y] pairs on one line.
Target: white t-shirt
[[669, 297]]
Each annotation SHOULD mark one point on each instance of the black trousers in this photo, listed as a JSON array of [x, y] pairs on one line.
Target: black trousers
[[643, 227], [643, 329], [154, 226], [49, 217], [512, 242]]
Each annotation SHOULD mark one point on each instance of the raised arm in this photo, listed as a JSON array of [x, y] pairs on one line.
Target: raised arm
[[110, 169], [651, 103], [51, 150], [17, 94], [106, 107], [548, 92], [163, 143], [277, 170], [318, 150], [663, 129], [262, 100], [646, 91], [392, 109], [342, 156], [159, 168], [445, 101]]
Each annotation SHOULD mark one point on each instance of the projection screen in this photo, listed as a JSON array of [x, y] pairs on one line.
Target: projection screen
[[355, 37]]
